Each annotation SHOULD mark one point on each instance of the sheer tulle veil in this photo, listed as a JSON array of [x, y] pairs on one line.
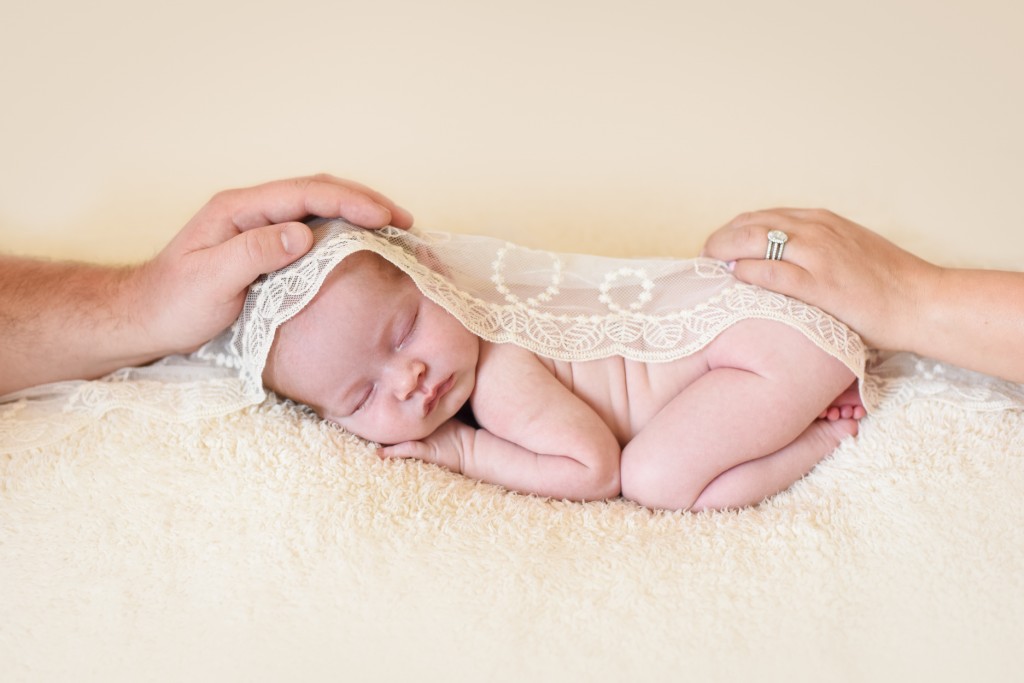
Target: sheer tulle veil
[[565, 306]]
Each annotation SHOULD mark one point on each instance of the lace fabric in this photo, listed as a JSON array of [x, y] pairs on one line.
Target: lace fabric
[[564, 306]]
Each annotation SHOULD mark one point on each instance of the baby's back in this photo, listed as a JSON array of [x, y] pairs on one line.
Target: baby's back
[[626, 394]]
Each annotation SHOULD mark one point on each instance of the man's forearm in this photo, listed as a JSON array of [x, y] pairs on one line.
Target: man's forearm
[[67, 320]]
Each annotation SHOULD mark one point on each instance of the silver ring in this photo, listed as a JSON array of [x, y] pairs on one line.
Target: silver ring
[[776, 243]]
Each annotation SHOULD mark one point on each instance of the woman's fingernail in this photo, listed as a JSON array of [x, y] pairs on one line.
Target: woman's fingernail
[[731, 265]]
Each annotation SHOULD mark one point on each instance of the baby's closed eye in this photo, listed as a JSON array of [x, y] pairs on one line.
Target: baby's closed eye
[[408, 329]]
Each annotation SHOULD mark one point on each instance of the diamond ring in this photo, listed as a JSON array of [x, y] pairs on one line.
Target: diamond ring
[[776, 243]]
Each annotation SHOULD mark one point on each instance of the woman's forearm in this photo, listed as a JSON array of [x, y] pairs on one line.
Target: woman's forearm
[[973, 319], [894, 299]]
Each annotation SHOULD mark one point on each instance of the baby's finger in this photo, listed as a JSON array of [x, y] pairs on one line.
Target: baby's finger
[[409, 449]]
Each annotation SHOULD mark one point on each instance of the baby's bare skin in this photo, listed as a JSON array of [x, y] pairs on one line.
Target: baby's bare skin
[[627, 394], [668, 459], [724, 427]]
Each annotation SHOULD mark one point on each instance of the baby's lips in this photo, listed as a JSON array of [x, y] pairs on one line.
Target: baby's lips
[[435, 395]]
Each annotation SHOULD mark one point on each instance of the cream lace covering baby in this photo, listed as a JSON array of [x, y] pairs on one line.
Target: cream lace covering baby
[[564, 306]]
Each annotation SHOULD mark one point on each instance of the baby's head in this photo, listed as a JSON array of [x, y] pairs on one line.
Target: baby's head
[[371, 353]]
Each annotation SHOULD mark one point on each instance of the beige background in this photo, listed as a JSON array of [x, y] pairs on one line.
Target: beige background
[[616, 127], [631, 127]]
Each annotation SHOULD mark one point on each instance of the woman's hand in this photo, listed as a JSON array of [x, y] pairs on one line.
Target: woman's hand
[[895, 300], [835, 264]]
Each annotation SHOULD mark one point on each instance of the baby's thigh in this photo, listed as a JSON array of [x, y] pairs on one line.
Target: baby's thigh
[[773, 349]]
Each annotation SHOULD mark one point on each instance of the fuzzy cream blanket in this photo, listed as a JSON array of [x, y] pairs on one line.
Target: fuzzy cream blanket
[[268, 546]]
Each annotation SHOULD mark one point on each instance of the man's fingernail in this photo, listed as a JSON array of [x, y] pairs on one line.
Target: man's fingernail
[[291, 239]]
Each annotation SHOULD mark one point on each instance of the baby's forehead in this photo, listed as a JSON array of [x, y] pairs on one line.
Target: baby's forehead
[[361, 284], [361, 290], [368, 265]]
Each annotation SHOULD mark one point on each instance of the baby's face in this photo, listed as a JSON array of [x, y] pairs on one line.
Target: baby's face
[[374, 355]]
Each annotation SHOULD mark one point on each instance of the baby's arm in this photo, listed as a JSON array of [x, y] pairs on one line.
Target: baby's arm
[[536, 436]]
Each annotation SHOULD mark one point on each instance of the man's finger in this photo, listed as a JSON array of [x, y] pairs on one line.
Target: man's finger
[[281, 201], [400, 217], [245, 257]]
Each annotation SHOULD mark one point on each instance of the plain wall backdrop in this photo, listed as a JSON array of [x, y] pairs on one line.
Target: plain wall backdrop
[[613, 127]]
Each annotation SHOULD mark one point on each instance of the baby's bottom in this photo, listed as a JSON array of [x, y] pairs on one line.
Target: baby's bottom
[[746, 429]]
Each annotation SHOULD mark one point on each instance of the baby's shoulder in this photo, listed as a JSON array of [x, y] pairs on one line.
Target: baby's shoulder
[[506, 362], [513, 383]]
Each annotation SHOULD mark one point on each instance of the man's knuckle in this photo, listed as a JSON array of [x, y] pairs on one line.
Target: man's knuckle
[[255, 250]]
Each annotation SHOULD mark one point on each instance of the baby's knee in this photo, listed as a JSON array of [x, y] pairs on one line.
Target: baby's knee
[[645, 484]]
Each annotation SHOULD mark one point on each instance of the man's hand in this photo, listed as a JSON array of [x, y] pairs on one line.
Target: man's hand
[[195, 287], [63, 321]]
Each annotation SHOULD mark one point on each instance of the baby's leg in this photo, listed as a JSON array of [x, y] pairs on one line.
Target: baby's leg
[[766, 386], [750, 482]]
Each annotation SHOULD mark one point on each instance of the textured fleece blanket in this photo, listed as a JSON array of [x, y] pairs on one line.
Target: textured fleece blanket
[[269, 546]]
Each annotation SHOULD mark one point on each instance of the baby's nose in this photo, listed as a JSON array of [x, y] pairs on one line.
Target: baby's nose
[[408, 378]]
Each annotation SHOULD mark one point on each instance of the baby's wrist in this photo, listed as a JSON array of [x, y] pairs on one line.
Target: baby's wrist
[[466, 438]]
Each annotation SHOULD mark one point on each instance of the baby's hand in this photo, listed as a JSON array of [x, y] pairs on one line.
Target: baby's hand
[[445, 447]]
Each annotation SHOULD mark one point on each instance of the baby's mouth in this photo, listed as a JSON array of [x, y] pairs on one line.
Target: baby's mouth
[[436, 394]]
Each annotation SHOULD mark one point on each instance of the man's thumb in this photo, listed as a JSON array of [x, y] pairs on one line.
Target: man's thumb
[[266, 249]]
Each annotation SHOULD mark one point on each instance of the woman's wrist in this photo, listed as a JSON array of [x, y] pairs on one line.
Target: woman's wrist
[[921, 313]]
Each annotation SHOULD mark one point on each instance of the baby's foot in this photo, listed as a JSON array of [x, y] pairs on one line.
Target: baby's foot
[[831, 432], [846, 406]]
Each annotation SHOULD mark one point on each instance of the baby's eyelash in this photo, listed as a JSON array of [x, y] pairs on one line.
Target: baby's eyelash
[[409, 332], [364, 400]]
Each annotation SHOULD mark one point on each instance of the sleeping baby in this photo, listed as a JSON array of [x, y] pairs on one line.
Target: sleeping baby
[[739, 419]]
